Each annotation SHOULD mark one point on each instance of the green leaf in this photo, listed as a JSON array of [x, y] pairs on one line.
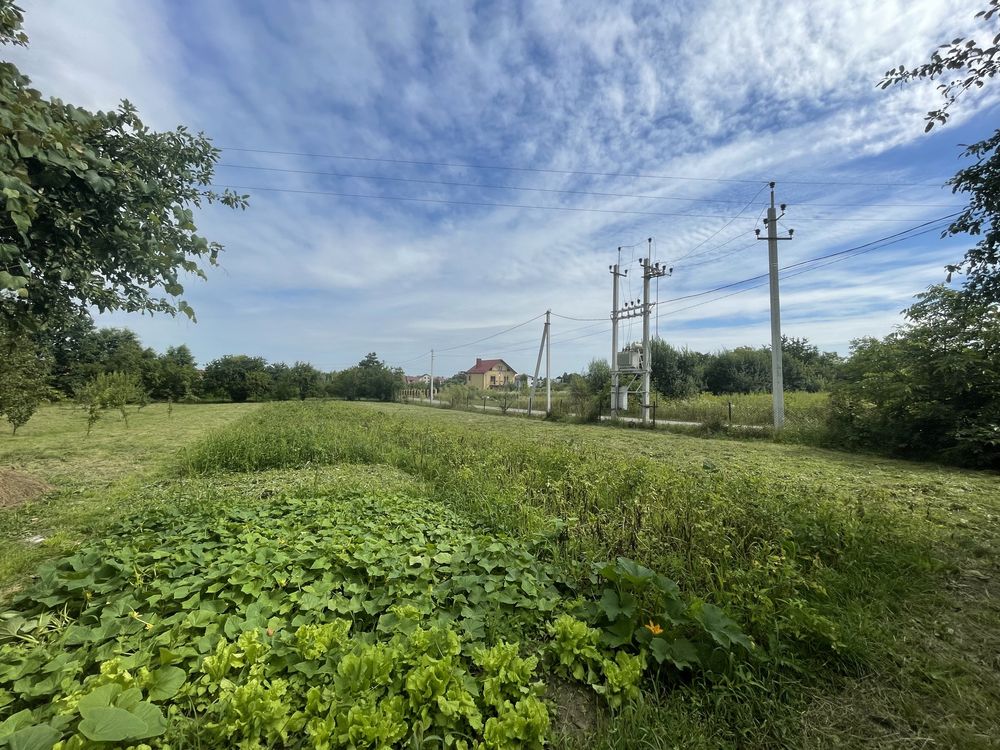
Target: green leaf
[[129, 699], [165, 682], [39, 737], [21, 221], [153, 718], [610, 605], [723, 631], [9, 281], [109, 724], [11, 724], [619, 633], [100, 697], [681, 653]]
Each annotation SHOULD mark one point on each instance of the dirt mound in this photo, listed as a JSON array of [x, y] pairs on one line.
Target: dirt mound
[[17, 488]]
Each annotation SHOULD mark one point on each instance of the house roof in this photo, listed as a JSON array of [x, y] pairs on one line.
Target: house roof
[[485, 365]]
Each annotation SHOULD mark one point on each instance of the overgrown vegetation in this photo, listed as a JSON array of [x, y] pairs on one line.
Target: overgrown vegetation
[[343, 618], [23, 374], [110, 391], [929, 390], [789, 586], [761, 530]]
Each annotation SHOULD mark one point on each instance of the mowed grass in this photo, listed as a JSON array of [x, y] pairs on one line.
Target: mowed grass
[[866, 583]]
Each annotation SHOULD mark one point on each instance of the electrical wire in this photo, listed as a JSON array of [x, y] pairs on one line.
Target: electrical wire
[[581, 320], [496, 204], [414, 359], [716, 258], [488, 186], [821, 257], [812, 263], [842, 257], [491, 336], [728, 223], [503, 167], [490, 204]]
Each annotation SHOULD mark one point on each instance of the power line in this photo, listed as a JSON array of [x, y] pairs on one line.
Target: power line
[[490, 186], [503, 167], [414, 359], [495, 204], [460, 346], [580, 320], [720, 256], [491, 336], [716, 232], [839, 256], [489, 204]]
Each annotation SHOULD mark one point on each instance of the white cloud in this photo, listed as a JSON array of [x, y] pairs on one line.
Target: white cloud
[[748, 90]]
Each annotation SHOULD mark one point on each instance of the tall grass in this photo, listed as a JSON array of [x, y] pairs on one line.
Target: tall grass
[[747, 409], [796, 562]]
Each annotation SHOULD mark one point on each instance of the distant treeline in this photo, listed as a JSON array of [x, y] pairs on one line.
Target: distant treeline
[[77, 356], [104, 368], [681, 373], [930, 390]]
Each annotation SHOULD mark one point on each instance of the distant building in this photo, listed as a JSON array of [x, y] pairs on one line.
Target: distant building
[[418, 379], [490, 373]]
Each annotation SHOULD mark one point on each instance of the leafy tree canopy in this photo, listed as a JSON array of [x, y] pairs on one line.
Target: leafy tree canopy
[[96, 209], [24, 369], [370, 379], [931, 389], [962, 65], [237, 376]]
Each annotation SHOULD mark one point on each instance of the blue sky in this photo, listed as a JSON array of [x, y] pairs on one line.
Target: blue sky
[[555, 103]]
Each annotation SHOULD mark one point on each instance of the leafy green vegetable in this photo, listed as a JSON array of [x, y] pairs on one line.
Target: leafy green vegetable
[[346, 619]]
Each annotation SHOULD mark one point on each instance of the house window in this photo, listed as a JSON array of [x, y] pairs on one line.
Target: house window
[[493, 379]]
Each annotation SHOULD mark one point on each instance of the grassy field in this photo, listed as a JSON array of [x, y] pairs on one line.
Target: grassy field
[[97, 478], [803, 411], [864, 585]]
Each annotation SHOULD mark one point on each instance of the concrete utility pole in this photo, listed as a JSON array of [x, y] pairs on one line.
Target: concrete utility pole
[[777, 377], [548, 364], [649, 271], [615, 275], [538, 365], [633, 309], [430, 387]]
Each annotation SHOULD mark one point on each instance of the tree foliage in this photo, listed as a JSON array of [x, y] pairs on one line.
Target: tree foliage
[[96, 208], [23, 373], [740, 370], [929, 390], [371, 378], [111, 390], [971, 64], [676, 373], [237, 377], [175, 375]]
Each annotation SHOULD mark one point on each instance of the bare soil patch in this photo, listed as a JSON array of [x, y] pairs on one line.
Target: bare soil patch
[[577, 713], [17, 488]]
